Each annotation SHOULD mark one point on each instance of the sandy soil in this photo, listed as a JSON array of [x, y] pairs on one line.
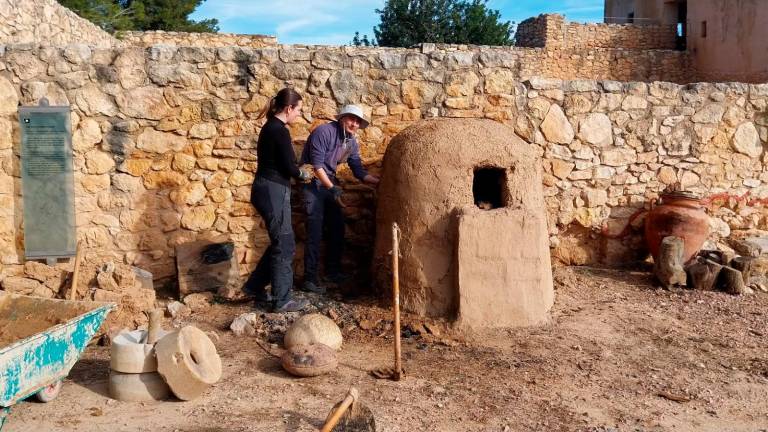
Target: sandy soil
[[617, 355], [24, 317]]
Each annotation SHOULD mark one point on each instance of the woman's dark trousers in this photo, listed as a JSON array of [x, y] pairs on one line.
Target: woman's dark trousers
[[273, 202]]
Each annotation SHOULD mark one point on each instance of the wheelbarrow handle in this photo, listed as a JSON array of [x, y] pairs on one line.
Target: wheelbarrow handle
[[335, 416], [4, 413]]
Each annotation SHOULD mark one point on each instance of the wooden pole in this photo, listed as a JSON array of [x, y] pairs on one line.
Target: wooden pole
[[76, 271], [396, 298], [155, 325], [335, 416]]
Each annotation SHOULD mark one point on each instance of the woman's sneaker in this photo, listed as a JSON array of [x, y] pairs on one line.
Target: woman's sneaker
[[292, 306], [313, 287], [263, 305]]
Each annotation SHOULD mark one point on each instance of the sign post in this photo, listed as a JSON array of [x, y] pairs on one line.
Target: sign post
[[47, 180]]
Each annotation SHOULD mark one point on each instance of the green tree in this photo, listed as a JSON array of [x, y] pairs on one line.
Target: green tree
[[404, 23], [116, 15], [110, 15], [361, 41], [169, 15], [473, 23]]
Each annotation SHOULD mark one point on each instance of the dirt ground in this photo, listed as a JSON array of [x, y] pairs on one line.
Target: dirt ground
[[618, 354]]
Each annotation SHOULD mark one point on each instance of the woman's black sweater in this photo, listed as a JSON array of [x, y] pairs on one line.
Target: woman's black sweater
[[276, 159]]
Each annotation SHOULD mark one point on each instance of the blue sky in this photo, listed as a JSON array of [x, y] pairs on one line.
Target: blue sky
[[334, 22]]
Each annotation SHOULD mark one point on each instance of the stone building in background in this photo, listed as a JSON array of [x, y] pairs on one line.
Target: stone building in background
[[726, 39]]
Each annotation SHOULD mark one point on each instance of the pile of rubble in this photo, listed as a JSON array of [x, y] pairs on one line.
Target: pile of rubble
[[190, 304], [737, 264], [36, 279], [129, 287], [750, 250], [360, 320]]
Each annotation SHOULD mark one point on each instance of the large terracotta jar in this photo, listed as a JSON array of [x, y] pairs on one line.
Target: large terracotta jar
[[678, 214]]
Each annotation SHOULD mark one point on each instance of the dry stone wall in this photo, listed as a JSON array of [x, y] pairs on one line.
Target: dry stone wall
[[49, 23], [209, 40], [627, 36], [552, 31], [164, 137], [540, 31]]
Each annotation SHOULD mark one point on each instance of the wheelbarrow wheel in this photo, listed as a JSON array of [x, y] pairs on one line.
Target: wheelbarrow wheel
[[49, 393]]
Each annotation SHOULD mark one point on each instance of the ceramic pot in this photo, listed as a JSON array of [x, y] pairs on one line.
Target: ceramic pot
[[678, 214]]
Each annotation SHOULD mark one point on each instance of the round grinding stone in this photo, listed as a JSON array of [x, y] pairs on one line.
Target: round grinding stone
[[137, 387], [309, 360], [129, 353], [188, 361], [313, 329]]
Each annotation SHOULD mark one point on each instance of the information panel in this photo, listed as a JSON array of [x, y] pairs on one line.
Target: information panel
[[47, 182]]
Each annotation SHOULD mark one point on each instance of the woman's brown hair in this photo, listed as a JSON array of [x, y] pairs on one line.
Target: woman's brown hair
[[286, 97]]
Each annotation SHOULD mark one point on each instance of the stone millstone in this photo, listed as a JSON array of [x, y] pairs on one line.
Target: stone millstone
[[313, 329], [309, 360], [129, 353], [137, 387], [188, 362]]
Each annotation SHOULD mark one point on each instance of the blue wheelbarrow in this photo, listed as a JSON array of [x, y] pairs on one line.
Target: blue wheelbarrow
[[40, 341]]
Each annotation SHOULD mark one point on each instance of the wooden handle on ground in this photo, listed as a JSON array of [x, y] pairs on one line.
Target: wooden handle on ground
[[155, 325], [335, 416], [396, 298], [76, 271]]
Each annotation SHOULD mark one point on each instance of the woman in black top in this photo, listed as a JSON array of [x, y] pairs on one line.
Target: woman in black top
[[271, 196]]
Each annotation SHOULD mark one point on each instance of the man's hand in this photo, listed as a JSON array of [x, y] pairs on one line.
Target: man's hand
[[336, 192], [372, 179]]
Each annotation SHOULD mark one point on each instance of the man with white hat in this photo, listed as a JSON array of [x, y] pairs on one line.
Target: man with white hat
[[328, 146]]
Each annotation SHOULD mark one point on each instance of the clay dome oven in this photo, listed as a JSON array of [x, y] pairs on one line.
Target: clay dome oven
[[467, 196]]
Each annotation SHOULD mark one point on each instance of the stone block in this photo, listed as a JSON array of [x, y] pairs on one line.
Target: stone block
[[40, 272], [746, 140], [556, 127], [596, 129], [140, 299], [199, 302], [21, 285], [102, 295]]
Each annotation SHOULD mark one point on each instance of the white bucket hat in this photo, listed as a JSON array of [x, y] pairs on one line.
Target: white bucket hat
[[355, 111]]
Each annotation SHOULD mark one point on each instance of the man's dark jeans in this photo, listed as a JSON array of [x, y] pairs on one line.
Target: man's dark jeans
[[321, 207], [273, 202]]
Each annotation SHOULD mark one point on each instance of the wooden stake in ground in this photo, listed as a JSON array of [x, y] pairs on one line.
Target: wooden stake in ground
[[396, 298], [155, 325], [395, 373], [76, 271]]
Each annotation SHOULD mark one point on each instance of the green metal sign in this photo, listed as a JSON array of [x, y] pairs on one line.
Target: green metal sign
[[47, 181]]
